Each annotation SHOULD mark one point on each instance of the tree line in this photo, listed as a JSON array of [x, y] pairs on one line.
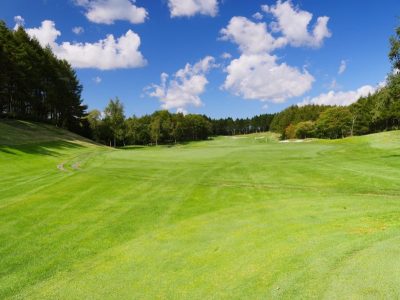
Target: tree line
[[374, 113], [111, 127], [36, 85]]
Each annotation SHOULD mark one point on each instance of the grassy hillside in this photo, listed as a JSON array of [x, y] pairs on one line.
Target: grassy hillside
[[13, 132], [236, 217]]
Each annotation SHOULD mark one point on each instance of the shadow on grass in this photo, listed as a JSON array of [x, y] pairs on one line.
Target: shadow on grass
[[133, 147], [167, 145], [48, 148], [391, 156]]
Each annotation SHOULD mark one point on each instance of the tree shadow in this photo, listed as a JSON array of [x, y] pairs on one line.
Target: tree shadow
[[391, 156], [133, 147], [47, 148]]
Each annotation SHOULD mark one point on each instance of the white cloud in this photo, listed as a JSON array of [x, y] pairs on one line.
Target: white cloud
[[19, 21], [265, 8], [188, 8], [259, 76], [341, 98], [109, 11], [97, 80], [182, 111], [258, 16], [251, 37], [294, 23], [342, 67], [226, 55], [78, 30], [46, 34], [185, 88], [106, 54]]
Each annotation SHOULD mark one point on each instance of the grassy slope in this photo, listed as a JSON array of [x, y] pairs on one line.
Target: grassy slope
[[229, 218]]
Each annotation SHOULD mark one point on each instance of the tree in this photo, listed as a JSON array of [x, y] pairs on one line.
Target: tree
[[305, 130], [290, 132], [155, 128], [335, 122], [178, 121], [94, 119], [115, 118], [35, 85], [394, 53], [294, 115]]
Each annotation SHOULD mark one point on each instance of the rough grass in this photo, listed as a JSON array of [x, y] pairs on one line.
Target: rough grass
[[230, 218]]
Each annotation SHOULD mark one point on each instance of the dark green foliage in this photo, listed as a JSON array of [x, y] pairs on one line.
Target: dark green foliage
[[294, 115], [334, 123], [305, 130], [228, 126], [115, 120], [394, 53], [162, 127], [35, 85]]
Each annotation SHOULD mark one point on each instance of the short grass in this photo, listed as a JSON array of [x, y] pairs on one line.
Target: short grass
[[235, 217]]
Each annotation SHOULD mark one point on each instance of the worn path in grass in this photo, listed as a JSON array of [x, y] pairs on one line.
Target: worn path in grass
[[230, 218]]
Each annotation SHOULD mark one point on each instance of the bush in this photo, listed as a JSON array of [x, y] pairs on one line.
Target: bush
[[305, 130]]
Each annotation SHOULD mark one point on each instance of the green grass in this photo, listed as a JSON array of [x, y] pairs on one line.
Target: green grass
[[233, 218]]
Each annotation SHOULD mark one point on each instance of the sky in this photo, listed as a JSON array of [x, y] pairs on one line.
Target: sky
[[222, 58]]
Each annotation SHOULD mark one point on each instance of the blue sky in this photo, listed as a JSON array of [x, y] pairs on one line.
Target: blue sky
[[273, 61]]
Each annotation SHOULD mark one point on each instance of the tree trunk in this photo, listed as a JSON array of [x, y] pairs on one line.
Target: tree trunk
[[352, 125]]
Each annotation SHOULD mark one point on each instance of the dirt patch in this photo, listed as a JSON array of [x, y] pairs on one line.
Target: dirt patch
[[61, 167]]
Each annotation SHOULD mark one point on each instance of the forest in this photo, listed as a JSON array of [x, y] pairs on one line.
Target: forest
[[36, 85]]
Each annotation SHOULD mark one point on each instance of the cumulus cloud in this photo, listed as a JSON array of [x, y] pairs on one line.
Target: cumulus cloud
[[78, 30], [185, 86], [342, 67], [294, 25], [258, 16], [259, 76], [105, 54], [109, 11], [341, 98], [188, 8], [19, 21], [46, 34], [257, 73], [251, 37]]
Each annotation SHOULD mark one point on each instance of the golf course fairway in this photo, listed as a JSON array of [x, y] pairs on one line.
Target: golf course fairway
[[229, 218]]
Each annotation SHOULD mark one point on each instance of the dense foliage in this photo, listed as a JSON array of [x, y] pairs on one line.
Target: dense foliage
[[163, 127], [35, 85], [229, 126], [374, 113], [285, 121]]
